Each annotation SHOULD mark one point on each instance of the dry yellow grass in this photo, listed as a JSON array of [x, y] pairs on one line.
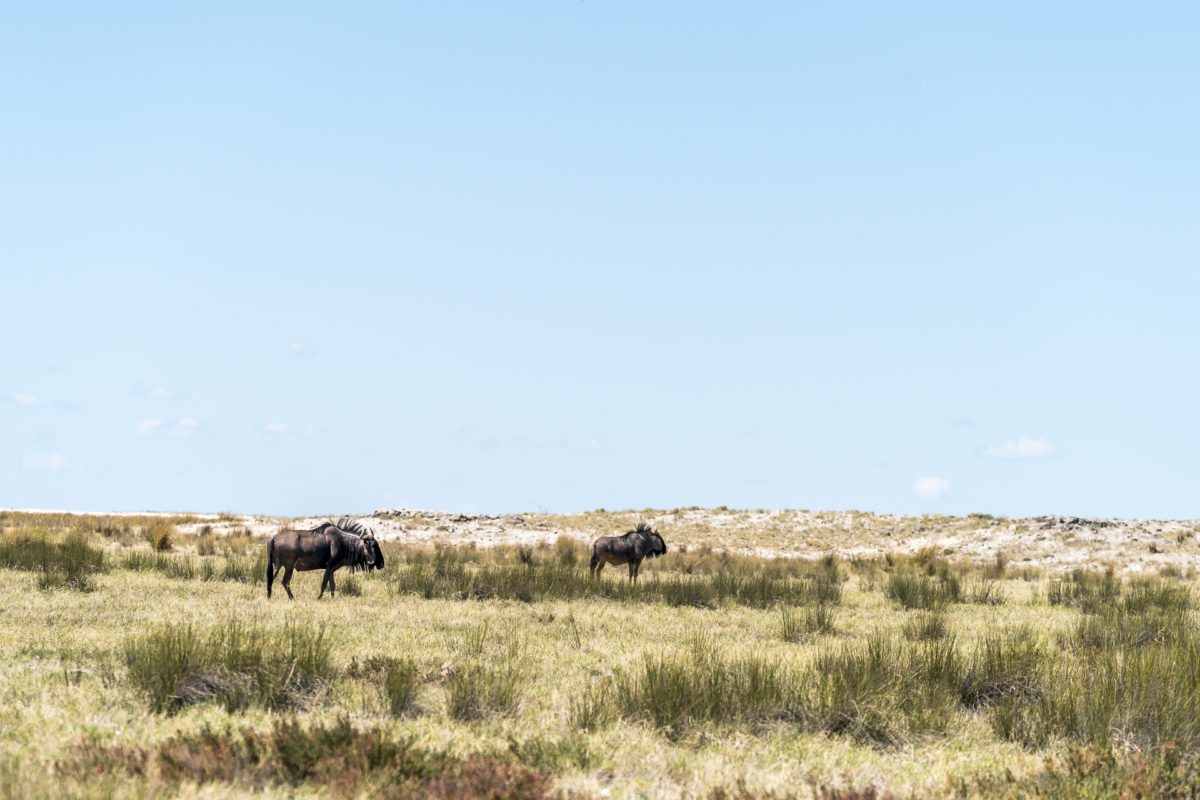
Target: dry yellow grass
[[64, 678]]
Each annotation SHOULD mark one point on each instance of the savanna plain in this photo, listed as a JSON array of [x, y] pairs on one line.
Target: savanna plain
[[768, 654]]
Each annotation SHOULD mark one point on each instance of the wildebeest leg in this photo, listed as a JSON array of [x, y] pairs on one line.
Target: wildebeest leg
[[327, 579], [287, 582], [596, 567], [270, 577], [633, 570]]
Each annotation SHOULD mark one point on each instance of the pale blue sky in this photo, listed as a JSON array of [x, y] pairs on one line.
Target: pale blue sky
[[296, 258]]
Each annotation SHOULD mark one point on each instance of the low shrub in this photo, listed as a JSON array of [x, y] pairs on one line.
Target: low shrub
[[160, 536], [344, 761]]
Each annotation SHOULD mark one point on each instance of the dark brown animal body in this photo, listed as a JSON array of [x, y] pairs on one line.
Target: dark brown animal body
[[329, 547], [629, 548]]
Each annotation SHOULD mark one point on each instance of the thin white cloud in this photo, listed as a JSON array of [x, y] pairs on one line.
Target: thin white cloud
[[301, 349], [275, 428], [931, 487], [45, 462], [187, 428], [158, 392], [184, 428], [312, 429], [23, 399], [1021, 447]]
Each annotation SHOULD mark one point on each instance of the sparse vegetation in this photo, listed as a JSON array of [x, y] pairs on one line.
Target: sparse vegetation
[[505, 672]]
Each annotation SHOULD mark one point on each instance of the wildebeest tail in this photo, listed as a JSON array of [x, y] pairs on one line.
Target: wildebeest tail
[[270, 565]]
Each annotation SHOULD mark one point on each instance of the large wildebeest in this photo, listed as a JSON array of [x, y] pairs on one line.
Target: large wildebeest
[[349, 543], [629, 548]]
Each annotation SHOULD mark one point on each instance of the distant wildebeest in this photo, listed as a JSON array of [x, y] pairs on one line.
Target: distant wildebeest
[[349, 543], [629, 548]]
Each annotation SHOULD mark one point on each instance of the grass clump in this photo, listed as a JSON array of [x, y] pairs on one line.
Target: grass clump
[[797, 625], [882, 693], [1086, 590], [1140, 695], [917, 590], [679, 691], [1006, 667], [401, 681], [69, 562], [983, 590], [926, 625], [479, 688], [234, 665], [594, 708]]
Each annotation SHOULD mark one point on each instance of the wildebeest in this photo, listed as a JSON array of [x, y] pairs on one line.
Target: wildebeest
[[349, 543], [629, 548]]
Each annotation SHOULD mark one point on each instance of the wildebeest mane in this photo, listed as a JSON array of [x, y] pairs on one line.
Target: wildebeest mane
[[354, 526], [642, 527], [351, 532]]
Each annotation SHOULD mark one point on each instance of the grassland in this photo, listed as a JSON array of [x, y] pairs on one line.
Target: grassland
[[144, 660]]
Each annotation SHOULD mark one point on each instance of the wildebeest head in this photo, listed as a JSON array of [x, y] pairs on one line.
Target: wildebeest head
[[655, 546], [374, 555]]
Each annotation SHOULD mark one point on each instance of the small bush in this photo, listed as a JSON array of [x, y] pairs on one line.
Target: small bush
[[160, 536], [569, 552], [342, 760], [572, 751]]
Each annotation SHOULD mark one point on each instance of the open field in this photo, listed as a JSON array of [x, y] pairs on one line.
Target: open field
[[886, 656]]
